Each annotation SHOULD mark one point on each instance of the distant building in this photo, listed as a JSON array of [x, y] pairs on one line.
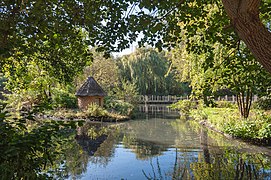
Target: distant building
[[90, 92]]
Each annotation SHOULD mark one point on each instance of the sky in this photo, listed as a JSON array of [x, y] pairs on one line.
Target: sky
[[131, 49], [126, 51]]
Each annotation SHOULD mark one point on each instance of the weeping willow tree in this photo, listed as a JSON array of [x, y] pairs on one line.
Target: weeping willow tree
[[148, 69]]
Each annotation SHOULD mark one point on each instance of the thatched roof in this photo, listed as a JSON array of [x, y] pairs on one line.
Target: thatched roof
[[90, 88]]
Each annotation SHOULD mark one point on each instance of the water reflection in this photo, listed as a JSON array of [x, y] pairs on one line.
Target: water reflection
[[76, 161], [166, 148]]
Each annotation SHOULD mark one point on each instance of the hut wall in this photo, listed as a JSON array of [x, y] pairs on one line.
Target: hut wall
[[84, 101]]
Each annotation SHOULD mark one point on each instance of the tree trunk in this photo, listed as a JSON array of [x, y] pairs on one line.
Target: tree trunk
[[244, 100], [244, 16]]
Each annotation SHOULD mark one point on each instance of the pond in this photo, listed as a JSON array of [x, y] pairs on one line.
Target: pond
[[158, 145]]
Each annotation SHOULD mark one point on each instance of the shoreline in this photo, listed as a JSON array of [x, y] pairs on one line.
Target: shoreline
[[263, 146], [87, 119]]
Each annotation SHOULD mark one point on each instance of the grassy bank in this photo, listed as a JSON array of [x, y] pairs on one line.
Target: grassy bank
[[227, 120], [256, 128], [93, 113]]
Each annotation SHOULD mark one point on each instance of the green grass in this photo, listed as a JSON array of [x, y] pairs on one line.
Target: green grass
[[90, 113], [257, 127]]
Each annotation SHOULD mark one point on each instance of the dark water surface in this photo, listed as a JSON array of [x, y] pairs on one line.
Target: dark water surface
[[158, 146]]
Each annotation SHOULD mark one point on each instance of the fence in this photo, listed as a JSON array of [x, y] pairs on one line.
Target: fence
[[154, 108], [153, 99]]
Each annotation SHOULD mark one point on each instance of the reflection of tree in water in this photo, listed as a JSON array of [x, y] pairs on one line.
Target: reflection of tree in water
[[214, 162], [232, 165], [225, 162], [180, 170], [204, 144], [105, 152], [71, 162], [148, 138], [98, 141], [229, 164], [89, 137], [76, 160], [144, 149]]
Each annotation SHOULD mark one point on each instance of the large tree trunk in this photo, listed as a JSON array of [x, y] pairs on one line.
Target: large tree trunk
[[244, 15]]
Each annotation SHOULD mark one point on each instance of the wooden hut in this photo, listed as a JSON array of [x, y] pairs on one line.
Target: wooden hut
[[90, 92]]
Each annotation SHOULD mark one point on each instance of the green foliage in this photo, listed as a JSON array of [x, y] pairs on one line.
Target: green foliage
[[121, 107], [94, 109], [251, 129], [2, 85], [245, 129], [263, 103], [244, 76], [148, 70], [64, 99], [116, 23], [26, 151], [123, 98], [61, 44], [216, 116], [224, 104], [185, 106], [32, 85], [265, 130], [232, 68], [103, 70], [94, 132], [256, 128], [212, 59], [125, 91]]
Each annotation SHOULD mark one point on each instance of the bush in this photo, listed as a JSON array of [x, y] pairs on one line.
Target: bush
[[265, 131], [216, 116], [263, 103], [244, 129], [121, 107], [185, 106], [64, 99], [95, 110], [225, 104], [257, 127]]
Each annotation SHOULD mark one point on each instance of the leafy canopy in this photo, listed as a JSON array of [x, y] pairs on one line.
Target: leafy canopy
[[53, 29]]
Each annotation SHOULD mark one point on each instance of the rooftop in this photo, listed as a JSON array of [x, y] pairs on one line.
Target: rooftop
[[90, 88]]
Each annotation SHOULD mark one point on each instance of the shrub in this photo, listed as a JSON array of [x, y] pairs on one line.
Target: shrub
[[244, 129], [185, 106], [216, 116], [256, 128], [121, 107], [265, 131], [263, 103], [64, 99], [95, 110]]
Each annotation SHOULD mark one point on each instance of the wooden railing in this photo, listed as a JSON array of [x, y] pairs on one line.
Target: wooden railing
[[153, 99], [160, 99], [154, 108]]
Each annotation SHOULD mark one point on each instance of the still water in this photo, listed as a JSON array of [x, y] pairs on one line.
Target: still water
[[159, 145]]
